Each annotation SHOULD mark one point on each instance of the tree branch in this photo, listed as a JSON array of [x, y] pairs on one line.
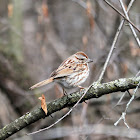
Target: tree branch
[[131, 27], [114, 43], [122, 15], [97, 90]]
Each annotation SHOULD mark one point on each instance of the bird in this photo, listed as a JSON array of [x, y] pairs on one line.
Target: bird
[[71, 73]]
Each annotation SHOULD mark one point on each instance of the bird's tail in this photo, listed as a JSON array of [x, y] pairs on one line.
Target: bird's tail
[[42, 83]]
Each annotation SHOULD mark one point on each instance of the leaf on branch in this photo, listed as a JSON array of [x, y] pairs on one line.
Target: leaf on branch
[[43, 103], [89, 14], [10, 10], [45, 11]]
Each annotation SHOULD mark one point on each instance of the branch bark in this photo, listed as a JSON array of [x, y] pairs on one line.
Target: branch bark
[[97, 90]]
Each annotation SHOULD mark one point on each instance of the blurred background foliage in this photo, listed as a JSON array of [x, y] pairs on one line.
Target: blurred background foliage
[[36, 36]]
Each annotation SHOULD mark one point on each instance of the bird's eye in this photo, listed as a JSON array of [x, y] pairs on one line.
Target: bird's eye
[[81, 58]]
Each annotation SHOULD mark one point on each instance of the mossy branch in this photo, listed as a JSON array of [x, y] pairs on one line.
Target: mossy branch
[[97, 90]]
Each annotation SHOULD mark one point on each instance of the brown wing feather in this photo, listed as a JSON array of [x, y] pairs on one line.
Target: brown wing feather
[[61, 72], [66, 70]]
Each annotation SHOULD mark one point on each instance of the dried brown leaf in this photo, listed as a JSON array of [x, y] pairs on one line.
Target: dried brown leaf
[[45, 10], [89, 13], [89, 7], [43, 103], [10, 10]]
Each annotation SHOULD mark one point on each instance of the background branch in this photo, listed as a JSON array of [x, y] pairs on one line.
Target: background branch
[[131, 27], [89, 129], [114, 43], [97, 90], [122, 15]]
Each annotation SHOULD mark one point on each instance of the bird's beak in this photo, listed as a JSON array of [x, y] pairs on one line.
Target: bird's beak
[[89, 61]]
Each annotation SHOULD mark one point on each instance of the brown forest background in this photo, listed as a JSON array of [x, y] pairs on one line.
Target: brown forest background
[[37, 35]]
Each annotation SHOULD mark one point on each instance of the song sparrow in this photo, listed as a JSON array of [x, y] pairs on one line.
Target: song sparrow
[[71, 73]]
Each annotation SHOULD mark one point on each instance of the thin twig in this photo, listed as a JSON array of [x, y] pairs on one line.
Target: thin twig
[[120, 100], [131, 27], [122, 118], [122, 15], [129, 93], [131, 99], [124, 113], [113, 44], [137, 74]]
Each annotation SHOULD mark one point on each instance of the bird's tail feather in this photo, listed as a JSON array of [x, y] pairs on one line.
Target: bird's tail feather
[[42, 83]]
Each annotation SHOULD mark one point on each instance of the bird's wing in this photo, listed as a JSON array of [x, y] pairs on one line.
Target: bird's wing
[[65, 70]]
